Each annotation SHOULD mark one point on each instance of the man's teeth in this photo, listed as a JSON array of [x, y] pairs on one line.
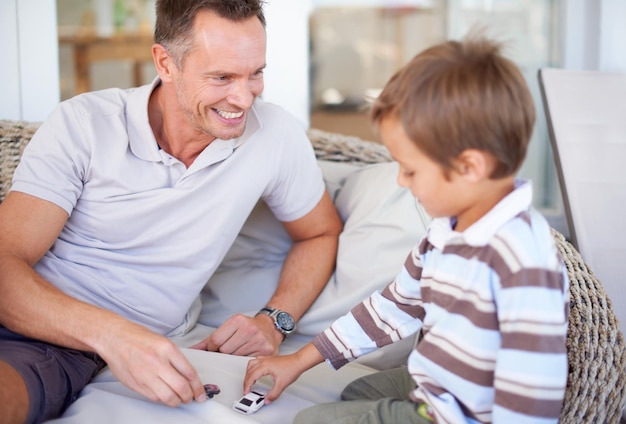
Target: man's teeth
[[229, 115]]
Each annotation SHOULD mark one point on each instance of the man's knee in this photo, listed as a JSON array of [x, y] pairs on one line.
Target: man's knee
[[13, 395], [44, 379]]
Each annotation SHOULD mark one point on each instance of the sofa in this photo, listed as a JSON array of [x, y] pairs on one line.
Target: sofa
[[381, 223]]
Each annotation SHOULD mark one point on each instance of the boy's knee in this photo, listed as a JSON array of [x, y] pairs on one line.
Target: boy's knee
[[393, 383]]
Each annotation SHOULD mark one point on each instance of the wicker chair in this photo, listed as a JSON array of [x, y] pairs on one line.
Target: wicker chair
[[596, 387]]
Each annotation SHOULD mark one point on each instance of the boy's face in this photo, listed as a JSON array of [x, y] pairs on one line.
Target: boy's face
[[440, 196]]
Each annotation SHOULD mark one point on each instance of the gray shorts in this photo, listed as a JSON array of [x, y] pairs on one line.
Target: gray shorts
[[54, 375]]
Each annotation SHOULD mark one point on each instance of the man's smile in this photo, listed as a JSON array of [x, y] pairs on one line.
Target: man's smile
[[229, 115]]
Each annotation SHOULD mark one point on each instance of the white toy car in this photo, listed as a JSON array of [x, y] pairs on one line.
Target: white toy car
[[252, 402]]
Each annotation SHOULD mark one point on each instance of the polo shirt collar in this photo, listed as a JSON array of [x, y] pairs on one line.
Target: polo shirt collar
[[481, 232], [141, 139], [143, 144]]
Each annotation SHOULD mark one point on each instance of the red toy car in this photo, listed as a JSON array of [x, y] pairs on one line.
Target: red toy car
[[211, 390]]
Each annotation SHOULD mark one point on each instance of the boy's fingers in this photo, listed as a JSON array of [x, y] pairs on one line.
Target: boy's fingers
[[247, 383], [251, 375], [274, 393]]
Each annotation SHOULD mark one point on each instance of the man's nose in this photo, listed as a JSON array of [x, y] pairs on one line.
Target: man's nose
[[243, 94]]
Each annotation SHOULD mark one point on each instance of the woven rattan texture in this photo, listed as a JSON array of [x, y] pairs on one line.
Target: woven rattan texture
[[348, 149], [596, 388], [14, 135], [596, 354]]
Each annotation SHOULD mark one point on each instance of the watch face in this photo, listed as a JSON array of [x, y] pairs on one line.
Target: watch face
[[285, 321]]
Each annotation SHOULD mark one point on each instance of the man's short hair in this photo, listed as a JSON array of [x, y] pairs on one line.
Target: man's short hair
[[174, 20], [462, 95]]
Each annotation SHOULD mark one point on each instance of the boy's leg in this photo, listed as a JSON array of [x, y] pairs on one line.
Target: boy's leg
[[382, 411], [382, 397], [51, 375], [13, 396], [395, 383]]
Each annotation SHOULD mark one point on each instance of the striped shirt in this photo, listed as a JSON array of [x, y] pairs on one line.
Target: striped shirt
[[491, 303]]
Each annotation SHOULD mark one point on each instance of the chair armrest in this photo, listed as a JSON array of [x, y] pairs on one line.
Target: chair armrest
[[596, 383]]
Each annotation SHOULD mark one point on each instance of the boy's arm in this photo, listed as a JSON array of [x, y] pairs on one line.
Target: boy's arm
[[284, 370], [397, 311]]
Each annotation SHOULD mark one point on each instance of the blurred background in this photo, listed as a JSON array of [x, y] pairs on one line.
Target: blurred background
[[326, 58]]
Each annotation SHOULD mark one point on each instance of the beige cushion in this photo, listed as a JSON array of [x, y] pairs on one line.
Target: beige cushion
[[382, 223]]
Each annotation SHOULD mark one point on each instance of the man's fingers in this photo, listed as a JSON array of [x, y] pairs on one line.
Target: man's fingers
[[206, 344], [190, 384], [200, 345], [173, 379], [218, 338], [170, 395], [243, 336]]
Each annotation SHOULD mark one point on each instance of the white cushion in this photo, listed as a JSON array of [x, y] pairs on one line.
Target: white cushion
[[382, 222], [249, 273], [381, 225]]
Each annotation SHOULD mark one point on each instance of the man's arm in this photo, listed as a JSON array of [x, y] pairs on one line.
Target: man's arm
[[307, 268], [144, 361]]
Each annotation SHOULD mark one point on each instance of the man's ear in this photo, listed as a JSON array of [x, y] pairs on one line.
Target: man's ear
[[474, 164], [163, 62]]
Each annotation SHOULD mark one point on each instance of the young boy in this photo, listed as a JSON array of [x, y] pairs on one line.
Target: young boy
[[485, 286]]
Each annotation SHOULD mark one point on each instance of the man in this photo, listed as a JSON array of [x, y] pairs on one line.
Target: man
[[126, 201]]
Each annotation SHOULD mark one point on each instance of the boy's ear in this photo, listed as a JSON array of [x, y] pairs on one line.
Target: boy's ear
[[474, 165], [162, 62]]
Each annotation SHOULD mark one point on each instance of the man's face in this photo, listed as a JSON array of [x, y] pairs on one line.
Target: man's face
[[221, 75]]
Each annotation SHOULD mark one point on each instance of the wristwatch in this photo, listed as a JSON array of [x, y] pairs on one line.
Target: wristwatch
[[283, 321]]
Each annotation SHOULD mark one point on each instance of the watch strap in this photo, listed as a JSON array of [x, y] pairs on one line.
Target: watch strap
[[274, 313]]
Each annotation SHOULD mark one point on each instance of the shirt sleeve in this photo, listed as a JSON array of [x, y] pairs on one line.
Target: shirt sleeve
[[299, 184], [55, 161], [389, 315]]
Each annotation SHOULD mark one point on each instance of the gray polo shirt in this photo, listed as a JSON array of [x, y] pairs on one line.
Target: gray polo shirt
[[144, 232]]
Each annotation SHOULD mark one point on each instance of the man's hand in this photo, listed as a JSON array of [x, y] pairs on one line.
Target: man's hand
[[152, 365], [244, 336]]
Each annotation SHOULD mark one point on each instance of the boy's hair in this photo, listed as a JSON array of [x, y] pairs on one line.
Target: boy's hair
[[462, 95], [174, 21]]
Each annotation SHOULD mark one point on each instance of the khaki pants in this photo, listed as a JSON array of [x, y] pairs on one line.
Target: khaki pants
[[379, 398]]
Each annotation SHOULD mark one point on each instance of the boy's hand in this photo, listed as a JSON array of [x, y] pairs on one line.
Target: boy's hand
[[284, 370]]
